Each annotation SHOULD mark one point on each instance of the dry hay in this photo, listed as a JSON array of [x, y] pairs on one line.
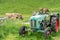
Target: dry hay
[[13, 15]]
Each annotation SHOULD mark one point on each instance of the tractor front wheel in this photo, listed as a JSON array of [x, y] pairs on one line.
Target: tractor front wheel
[[23, 30], [47, 32]]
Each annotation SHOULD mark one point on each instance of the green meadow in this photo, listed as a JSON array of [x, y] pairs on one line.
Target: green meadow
[[10, 28]]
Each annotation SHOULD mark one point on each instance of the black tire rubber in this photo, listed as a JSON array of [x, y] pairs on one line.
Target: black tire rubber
[[53, 24], [53, 21], [22, 30]]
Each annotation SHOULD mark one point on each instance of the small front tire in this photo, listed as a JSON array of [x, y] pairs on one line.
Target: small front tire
[[23, 30], [47, 32]]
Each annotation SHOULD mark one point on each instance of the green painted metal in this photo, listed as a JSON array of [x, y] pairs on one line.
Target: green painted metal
[[38, 19]]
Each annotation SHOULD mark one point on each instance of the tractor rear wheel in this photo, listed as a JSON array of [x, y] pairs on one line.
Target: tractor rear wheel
[[54, 24]]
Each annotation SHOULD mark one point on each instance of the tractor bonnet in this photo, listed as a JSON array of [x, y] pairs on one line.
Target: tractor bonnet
[[38, 17]]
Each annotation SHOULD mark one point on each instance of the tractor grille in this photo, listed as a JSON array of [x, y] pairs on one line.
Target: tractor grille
[[33, 23]]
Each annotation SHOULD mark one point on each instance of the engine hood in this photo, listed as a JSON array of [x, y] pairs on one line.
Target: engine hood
[[41, 17]]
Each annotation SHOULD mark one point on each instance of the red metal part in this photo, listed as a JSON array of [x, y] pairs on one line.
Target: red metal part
[[57, 25]]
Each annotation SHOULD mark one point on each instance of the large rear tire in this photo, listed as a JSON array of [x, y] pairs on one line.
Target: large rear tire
[[54, 23]]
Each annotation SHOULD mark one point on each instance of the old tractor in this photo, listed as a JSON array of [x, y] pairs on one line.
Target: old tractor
[[43, 22]]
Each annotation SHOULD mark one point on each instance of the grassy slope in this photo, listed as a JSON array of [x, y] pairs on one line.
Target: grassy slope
[[27, 6], [10, 29]]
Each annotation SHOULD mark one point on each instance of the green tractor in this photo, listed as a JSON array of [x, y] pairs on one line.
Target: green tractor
[[43, 22]]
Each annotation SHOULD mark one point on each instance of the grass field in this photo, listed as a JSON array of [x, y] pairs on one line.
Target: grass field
[[10, 28]]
